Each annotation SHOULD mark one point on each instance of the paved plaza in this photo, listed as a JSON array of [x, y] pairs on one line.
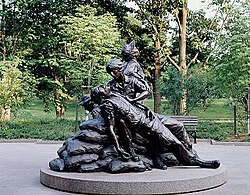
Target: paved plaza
[[20, 164]]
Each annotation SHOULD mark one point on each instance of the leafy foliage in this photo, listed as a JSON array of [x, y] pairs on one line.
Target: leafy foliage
[[52, 129], [92, 40], [216, 131], [71, 46], [15, 87], [232, 65], [200, 87]]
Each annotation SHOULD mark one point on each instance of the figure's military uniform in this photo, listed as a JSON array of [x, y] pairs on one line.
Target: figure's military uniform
[[132, 68], [130, 87], [160, 137]]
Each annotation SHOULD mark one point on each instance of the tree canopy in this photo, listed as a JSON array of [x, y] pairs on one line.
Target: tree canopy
[[66, 44], [232, 62]]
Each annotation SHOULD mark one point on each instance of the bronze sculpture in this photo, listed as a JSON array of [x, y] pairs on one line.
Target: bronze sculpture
[[135, 91], [132, 67], [115, 107], [123, 135]]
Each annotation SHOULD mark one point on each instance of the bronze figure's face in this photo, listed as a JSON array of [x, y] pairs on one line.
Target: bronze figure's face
[[115, 68], [100, 92], [130, 51], [116, 74]]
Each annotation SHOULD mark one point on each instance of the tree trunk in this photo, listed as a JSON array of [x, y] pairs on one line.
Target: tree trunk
[[156, 81], [90, 76], [182, 58], [60, 110], [5, 116]]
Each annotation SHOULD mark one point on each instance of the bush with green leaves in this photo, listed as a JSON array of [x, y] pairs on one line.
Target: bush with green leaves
[[54, 129], [15, 86], [219, 131], [199, 86]]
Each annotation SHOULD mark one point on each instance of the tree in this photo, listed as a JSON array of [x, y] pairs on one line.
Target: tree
[[158, 14], [195, 83], [153, 13], [15, 22], [232, 65], [45, 59], [15, 87], [92, 40]]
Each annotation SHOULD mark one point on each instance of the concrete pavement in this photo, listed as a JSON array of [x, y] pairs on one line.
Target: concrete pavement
[[20, 164]]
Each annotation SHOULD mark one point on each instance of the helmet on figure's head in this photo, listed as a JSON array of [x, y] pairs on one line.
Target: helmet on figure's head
[[87, 102], [114, 64], [129, 51], [97, 93]]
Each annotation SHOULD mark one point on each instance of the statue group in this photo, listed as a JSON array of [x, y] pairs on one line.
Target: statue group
[[123, 135]]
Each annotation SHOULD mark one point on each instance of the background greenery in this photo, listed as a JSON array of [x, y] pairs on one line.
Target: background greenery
[[55, 51], [215, 122]]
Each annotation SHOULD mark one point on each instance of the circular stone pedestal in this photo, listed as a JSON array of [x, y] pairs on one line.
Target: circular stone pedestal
[[173, 180]]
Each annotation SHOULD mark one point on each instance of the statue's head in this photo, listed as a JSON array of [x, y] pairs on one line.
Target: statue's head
[[99, 92], [129, 51], [115, 68], [87, 103]]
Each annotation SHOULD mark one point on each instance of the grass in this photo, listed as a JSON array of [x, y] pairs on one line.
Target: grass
[[36, 111], [215, 122], [219, 109], [53, 129], [33, 123]]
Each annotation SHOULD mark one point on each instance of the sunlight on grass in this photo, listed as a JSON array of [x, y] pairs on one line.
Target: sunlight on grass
[[33, 123], [218, 109]]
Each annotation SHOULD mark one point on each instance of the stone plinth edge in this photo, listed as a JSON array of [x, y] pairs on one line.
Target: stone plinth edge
[[171, 181]]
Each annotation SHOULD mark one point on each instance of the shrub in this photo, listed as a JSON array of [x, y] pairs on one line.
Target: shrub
[[54, 129], [219, 131]]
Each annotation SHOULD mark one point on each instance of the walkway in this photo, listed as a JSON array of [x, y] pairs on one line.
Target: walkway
[[20, 165]]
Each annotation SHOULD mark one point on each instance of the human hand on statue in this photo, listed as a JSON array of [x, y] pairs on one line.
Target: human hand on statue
[[125, 156], [129, 99]]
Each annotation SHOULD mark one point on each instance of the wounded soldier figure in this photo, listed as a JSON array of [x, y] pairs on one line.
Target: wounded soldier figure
[[116, 111]]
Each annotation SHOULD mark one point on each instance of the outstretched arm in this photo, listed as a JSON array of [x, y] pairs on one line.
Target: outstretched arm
[[129, 140], [141, 96], [108, 113], [123, 154]]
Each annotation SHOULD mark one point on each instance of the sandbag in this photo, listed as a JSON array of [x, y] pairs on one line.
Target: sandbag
[[56, 164], [96, 124], [169, 159], [62, 152], [73, 162], [76, 147], [148, 162], [91, 136], [90, 167], [118, 166], [104, 162], [108, 151]]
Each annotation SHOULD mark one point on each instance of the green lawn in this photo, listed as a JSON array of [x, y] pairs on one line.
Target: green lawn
[[219, 109], [33, 123], [36, 111]]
